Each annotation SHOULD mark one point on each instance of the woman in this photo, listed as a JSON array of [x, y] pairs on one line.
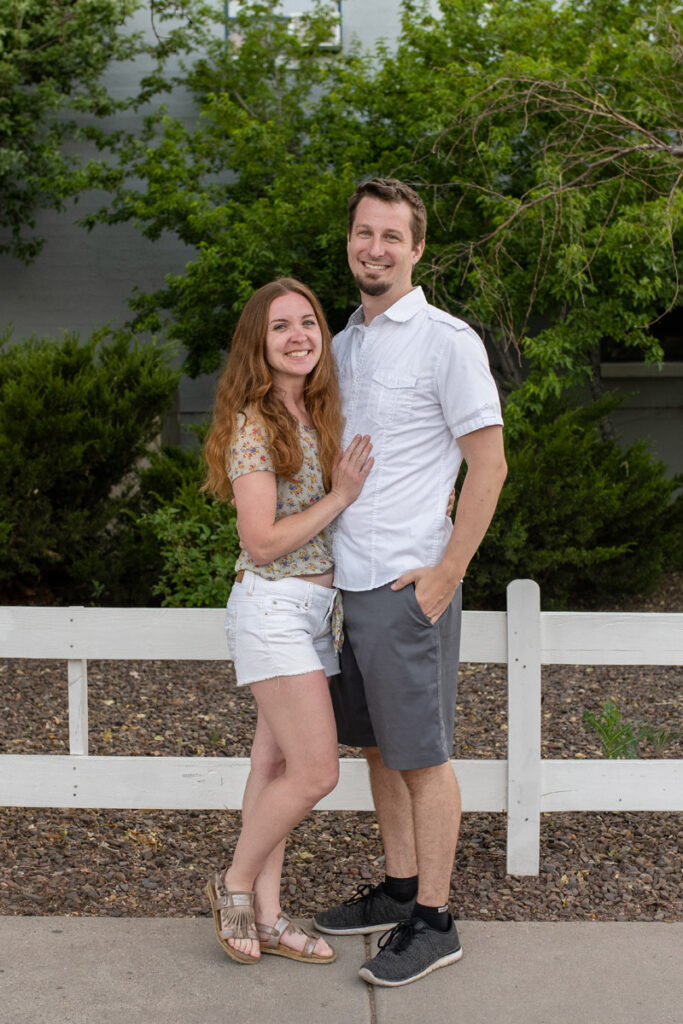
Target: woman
[[276, 430]]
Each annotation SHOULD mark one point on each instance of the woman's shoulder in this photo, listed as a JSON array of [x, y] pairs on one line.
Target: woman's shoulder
[[249, 449], [249, 423]]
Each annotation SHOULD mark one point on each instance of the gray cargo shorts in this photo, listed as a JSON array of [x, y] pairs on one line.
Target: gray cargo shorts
[[398, 677]]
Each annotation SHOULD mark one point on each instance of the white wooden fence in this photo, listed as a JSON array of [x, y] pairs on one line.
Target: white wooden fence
[[524, 785]]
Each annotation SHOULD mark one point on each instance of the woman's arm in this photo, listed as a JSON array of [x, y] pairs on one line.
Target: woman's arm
[[263, 538]]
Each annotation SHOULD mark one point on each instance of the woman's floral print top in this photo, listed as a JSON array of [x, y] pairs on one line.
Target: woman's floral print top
[[249, 453]]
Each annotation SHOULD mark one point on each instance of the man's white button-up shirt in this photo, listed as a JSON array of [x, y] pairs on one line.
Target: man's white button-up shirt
[[416, 379]]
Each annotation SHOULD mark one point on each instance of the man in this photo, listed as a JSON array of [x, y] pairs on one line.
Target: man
[[417, 380]]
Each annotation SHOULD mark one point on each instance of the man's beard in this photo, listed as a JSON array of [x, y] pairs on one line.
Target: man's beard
[[369, 287]]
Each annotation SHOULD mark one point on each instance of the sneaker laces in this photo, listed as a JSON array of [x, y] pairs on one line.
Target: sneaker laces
[[401, 934], [363, 894]]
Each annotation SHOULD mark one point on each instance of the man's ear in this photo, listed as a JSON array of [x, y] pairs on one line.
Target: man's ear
[[417, 252]]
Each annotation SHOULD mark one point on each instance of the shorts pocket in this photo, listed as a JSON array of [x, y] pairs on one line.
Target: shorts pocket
[[286, 605], [282, 615], [424, 619]]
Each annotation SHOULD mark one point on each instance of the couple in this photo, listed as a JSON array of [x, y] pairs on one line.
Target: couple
[[412, 385]]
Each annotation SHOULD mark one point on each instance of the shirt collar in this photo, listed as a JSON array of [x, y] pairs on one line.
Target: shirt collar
[[403, 309]]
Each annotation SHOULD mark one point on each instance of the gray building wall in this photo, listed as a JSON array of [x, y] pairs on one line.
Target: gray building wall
[[652, 408]]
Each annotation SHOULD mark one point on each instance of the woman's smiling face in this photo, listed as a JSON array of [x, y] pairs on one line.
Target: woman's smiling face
[[293, 338]]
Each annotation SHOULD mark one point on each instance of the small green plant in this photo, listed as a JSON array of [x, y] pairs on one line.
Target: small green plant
[[659, 737], [621, 737], [199, 547]]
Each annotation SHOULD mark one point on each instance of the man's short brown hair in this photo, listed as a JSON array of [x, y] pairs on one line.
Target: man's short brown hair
[[391, 190]]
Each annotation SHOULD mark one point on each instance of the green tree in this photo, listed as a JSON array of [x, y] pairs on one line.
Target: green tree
[[544, 136], [258, 185], [53, 54], [548, 139]]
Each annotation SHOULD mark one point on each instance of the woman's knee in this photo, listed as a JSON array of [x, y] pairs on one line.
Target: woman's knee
[[329, 777], [316, 780]]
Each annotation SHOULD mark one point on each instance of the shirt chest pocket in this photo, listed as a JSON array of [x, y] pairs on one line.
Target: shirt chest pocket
[[391, 398]]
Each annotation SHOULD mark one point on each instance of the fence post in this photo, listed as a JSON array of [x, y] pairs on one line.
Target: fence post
[[78, 699], [524, 727]]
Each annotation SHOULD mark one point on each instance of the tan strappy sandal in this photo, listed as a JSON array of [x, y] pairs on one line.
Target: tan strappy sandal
[[233, 916], [273, 944]]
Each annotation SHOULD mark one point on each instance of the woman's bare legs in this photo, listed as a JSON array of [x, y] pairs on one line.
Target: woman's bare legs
[[297, 727], [267, 763]]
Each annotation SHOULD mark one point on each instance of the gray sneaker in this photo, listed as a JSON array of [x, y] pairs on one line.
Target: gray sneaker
[[368, 910], [410, 951]]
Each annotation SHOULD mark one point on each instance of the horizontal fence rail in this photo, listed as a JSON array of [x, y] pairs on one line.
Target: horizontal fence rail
[[524, 785]]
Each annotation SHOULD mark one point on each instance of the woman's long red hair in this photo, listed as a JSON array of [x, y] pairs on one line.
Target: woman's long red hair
[[246, 384]]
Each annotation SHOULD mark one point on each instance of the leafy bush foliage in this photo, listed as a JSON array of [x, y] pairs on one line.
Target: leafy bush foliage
[[75, 421], [540, 135], [198, 541], [194, 537], [579, 514]]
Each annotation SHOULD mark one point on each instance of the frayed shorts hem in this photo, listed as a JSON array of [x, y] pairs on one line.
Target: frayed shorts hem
[[285, 675]]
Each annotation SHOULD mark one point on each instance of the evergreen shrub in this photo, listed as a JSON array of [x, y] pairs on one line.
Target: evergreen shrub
[[76, 419], [579, 514]]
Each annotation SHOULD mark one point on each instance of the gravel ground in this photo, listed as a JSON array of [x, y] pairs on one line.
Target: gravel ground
[[619, 866]]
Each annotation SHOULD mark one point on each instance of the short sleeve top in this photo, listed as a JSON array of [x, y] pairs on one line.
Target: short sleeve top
[[250, 453]]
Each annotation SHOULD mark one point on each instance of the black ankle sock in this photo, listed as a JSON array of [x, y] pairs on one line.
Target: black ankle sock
[[435, 917], [401, 889]]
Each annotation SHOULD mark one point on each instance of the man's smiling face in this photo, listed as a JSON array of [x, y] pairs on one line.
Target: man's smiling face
[[381, 250]]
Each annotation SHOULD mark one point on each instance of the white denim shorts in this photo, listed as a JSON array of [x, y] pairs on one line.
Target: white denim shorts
[[280, 628]]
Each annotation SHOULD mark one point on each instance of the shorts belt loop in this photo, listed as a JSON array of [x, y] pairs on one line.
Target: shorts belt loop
[[252, 583], [309, 597]]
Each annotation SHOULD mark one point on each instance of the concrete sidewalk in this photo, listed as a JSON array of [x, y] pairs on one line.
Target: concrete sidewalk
[[76, 970]]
